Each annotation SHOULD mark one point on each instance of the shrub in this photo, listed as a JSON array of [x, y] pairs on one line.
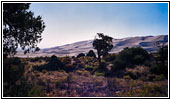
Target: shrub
[[131, 75], [153, 90], [111, 83], [35, 91], [118, 65], [138, 59], [73, 57], [36, 59], [130, 57], [159, 78], [155, 69], [13, 69], [102, 67], [69, 67], [99, 74], [44, 71], [150, 77], [14, 82], [159, 69], [148, 63], [127, 77], [80, 55], [66, 60], [162, 54], [110, 57], [82, 72], [53, 64], [89, 68], [91, 54]]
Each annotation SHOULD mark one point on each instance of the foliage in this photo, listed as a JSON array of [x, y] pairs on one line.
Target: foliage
[[47, 59], [14, 82], [133, 76], [159, 78], [103, 45], [69, 67], [162, 52], [80, 55], [66, 60], [22, 88], [161, 64], [91, 54], [127, 77], [53, 64], [82, 72], [152, 90], [35, 91], [20, 28], [151, 77], [13, 70], [159, 69], [89, 68], [110, 57], [130, 57], [99, 74], [102, 67]]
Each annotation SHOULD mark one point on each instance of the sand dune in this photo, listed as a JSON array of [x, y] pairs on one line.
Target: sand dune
[[146, 42]]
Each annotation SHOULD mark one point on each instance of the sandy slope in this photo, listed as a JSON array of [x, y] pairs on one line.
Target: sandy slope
[[146, 42]]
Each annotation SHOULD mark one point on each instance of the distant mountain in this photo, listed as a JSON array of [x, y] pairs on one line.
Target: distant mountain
[[146, 42]]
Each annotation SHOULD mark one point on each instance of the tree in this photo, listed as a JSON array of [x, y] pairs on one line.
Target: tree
[[91, 54], [20, 28], [103, 45], [129, 57], [80, 55], [162, 51]]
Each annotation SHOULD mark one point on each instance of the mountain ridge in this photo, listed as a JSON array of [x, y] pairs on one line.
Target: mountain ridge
[[73, 49]]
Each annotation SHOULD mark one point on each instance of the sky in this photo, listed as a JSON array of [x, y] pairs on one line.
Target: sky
[[72, 22]]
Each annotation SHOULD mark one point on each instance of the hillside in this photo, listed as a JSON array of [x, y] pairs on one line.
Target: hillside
[[146, 42]]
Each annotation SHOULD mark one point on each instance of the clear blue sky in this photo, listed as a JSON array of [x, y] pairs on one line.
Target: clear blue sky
[[71, 22]]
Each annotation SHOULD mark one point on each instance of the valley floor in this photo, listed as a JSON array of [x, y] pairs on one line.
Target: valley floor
[[81, 83]]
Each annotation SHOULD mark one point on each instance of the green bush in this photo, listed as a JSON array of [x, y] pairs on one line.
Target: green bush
[[44, 71], [99, 74], [102, 67], [110, 57], [159, 78], [66, 60], [130, 57], [160, 66], [89, 68], [91, 54], [153, 90], [80, 55], [118, 65], [151, 77], [13, 69], [155, 69], [69, 67], [131, 75], [53, 64], [14, 82], [159, 69]]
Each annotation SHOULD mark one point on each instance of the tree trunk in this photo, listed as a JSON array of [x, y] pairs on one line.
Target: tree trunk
[[99, 59]]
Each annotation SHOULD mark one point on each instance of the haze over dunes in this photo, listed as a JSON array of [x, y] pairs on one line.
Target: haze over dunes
[[146, 42]]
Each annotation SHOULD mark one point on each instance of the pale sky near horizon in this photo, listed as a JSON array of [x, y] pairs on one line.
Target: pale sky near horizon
[[72, 22]]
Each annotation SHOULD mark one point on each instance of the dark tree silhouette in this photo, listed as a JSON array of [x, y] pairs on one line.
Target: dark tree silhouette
[[103, 45], [80, 55], [20, 28], [162, 52], [91, 54]]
